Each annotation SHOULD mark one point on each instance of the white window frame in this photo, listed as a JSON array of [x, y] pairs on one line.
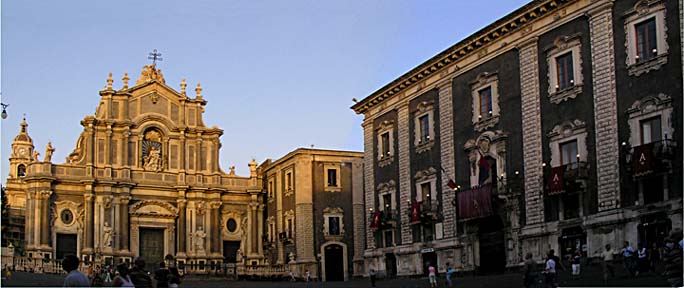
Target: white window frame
[[424, 108], [385, 189], [565, 132], [644, 10], [271, 228], [328, 213], [484, 80], [428, 175], [649, 107], [336, 167], [561, 46], [386, 126], [289, 177], [290, 215]]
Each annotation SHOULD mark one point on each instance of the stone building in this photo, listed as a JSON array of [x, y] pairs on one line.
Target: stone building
[[143, 180], [314, 213], [556, 127]]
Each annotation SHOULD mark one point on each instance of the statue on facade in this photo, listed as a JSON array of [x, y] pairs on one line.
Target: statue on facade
[[34, 158], [48, 152], [199, 239], [107, 235], [153, 160], [232, 170]]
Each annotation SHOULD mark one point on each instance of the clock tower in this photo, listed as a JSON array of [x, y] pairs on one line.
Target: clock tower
[[22, 151]]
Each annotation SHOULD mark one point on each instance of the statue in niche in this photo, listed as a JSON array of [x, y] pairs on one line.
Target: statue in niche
[[107, 235], [199, 239], [153, 160], [48, 152]]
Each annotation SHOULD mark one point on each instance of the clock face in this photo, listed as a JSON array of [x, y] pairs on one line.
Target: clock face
[[22, 151]]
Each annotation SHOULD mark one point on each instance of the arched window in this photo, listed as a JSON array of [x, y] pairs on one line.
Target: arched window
[[21, 170]]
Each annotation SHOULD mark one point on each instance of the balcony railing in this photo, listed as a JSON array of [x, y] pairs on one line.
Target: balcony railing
[[430, 211], [654, 157]]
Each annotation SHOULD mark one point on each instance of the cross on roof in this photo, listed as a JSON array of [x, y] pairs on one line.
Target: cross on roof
[[154, 56]]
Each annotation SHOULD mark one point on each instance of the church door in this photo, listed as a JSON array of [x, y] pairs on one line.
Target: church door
[[152, 247], [66, 244], [230, 251], [334, 270]]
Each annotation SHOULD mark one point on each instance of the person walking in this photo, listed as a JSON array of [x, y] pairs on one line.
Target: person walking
[[576, 260], [672, 258], [642, 264], [162, 275], [174, 277], [550, 271], [308, 275], [607, 263], [139, 276], [530, 276], [654, 257], [432, 276], [449, 272], [628, 258], [371, 273], [123, 279], [74, 277]]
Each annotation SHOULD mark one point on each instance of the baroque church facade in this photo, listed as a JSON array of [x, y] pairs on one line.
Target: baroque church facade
[[143, 180]]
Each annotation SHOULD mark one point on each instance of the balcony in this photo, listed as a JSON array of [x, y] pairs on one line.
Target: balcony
[[570, 178], [382, 220], [430, 211], [647, 159]]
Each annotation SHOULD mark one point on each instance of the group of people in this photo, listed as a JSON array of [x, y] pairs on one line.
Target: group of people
[[137, 276]]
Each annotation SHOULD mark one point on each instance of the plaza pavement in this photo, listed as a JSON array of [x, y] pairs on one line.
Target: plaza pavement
[[591, 277]]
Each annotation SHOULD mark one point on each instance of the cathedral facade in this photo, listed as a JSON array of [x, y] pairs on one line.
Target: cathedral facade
[[143, 180]]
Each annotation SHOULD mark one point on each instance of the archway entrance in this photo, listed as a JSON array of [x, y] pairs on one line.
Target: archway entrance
[[429, 258], [152, 247], [391, 265], [334, 269], [492, 247]]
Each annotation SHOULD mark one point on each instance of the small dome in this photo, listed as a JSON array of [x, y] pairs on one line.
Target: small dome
[[23, 133]]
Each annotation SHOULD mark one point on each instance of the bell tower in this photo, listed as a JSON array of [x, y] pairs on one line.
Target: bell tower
[[22, 153]]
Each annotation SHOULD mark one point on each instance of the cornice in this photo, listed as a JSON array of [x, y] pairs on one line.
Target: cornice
[[467, 47]]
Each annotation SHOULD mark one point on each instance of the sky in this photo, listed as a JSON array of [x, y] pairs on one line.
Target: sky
[[277, 75]]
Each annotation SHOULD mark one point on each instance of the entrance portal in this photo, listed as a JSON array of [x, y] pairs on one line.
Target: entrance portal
[[66, 245], [152, 247], [492, 246], [429, 259], [230, 251], [334, 270], [391, 265]]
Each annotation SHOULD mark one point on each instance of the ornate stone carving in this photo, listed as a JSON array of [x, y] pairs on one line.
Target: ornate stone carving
[[153, 208], [150, 73], [48, 152], [566, 129], [426, 174], [386, 187]]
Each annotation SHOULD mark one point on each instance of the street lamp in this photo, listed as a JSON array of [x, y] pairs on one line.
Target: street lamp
[[4, 112]]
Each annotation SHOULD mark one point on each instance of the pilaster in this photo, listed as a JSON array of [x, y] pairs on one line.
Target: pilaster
[[532, 131], [369, 180], [446, 137], [404, 172], [605, 106]]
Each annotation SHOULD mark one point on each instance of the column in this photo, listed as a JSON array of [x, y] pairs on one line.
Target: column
[[260, 228], [45, 227], [369, 180], [38, 217], [605, 105], [404, 173], [123, 221], [446, 136], [216, 227], [181, 226], [532, 131], [28, 227], [89, 225]]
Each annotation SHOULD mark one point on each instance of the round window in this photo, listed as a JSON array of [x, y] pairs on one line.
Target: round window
[[67, 217], [231, 225]]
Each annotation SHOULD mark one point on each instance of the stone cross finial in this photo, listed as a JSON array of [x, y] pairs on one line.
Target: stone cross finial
[[125, 80], [110, 81], [198, 90], [183, 85]]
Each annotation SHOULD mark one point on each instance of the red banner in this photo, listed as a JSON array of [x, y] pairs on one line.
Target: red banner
[[555, 181], [415, 212], [375, 223], [475, 203], [642, 160]]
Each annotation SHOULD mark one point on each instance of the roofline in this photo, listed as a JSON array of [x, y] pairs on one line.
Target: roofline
[[505, 25], [303, 150]]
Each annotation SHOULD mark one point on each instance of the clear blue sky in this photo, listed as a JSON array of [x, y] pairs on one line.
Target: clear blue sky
[[278, 75]]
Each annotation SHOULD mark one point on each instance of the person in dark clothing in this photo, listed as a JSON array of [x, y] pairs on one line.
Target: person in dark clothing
[[654, 257], [672, 258], [531, 273], [162, 276], [138, 274], [174, 277]]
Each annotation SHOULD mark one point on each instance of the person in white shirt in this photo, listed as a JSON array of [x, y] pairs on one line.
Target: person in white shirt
[[550, 271], [607, 256], [642, 264], [75, 278]]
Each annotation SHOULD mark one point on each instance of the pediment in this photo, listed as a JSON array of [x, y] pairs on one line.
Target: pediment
[[153, 209]]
